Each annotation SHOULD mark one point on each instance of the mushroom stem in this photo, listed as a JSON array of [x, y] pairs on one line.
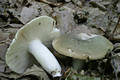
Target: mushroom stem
[[46, 59], [78, 64]]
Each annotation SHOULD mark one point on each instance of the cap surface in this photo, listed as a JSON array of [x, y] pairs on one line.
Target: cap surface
[[17, 56], [92, 48]]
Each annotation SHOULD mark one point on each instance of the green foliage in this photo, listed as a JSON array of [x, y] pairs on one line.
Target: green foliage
[[80, 77]]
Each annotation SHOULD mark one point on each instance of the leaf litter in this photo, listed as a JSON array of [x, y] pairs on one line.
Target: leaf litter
[[72, 16]]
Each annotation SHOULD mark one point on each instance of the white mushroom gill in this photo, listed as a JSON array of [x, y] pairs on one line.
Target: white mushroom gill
[[45, 57], [85, 36]]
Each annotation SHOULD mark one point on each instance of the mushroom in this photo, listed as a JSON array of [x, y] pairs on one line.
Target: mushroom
[[82, 46], [33, 38]]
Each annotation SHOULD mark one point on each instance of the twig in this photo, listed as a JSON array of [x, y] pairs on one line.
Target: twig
[[68, 75], [116, 26], [51, 3]]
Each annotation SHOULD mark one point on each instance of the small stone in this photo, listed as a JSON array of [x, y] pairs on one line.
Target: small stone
[[82, 72]]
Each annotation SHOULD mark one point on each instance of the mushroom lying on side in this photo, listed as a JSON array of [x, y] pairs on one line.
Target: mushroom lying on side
[[33, 38], [82, 46]]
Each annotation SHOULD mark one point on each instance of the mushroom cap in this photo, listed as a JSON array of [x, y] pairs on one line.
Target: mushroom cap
[[96, 47], [42, 28]]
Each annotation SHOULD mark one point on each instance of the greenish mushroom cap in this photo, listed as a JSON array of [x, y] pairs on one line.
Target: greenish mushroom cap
[[17, 56], [92, 48]]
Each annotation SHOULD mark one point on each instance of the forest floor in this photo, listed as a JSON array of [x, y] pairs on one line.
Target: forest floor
[[101, 17]]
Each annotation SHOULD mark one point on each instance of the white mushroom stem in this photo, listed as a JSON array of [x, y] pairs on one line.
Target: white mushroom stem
[[46, 59]]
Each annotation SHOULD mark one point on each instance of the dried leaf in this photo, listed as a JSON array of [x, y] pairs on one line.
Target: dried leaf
[[77, 76], [77, 2], [2, 66], [3, 48], [115, 61], [118, 6], [38, 72], [65, 19], [3, 36], [15, 25], [116, 31], [86, 29], [36, 9], [30, 11], [98, 5]]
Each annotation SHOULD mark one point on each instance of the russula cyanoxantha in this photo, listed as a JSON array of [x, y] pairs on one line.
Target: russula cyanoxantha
[[82, 46], [33, 38]]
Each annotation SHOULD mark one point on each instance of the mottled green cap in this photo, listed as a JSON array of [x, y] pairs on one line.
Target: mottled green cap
[[92, 48]]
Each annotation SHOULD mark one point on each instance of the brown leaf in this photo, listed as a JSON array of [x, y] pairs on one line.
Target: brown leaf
[[30, 11], [64, 18], [36, 71], [2, 66], [115, 62], [3, 36], [15, 25], [3, 49], [86, 29]]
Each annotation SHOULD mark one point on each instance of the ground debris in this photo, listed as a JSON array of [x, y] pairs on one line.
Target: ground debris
[[30, 11], [65, 19], [53, 2], [73, 75], [98, 4], [72, 16], [115, 60], [37, 72]]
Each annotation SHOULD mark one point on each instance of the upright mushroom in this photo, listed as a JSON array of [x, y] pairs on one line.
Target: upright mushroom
[[82, 46], [33, 38]]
